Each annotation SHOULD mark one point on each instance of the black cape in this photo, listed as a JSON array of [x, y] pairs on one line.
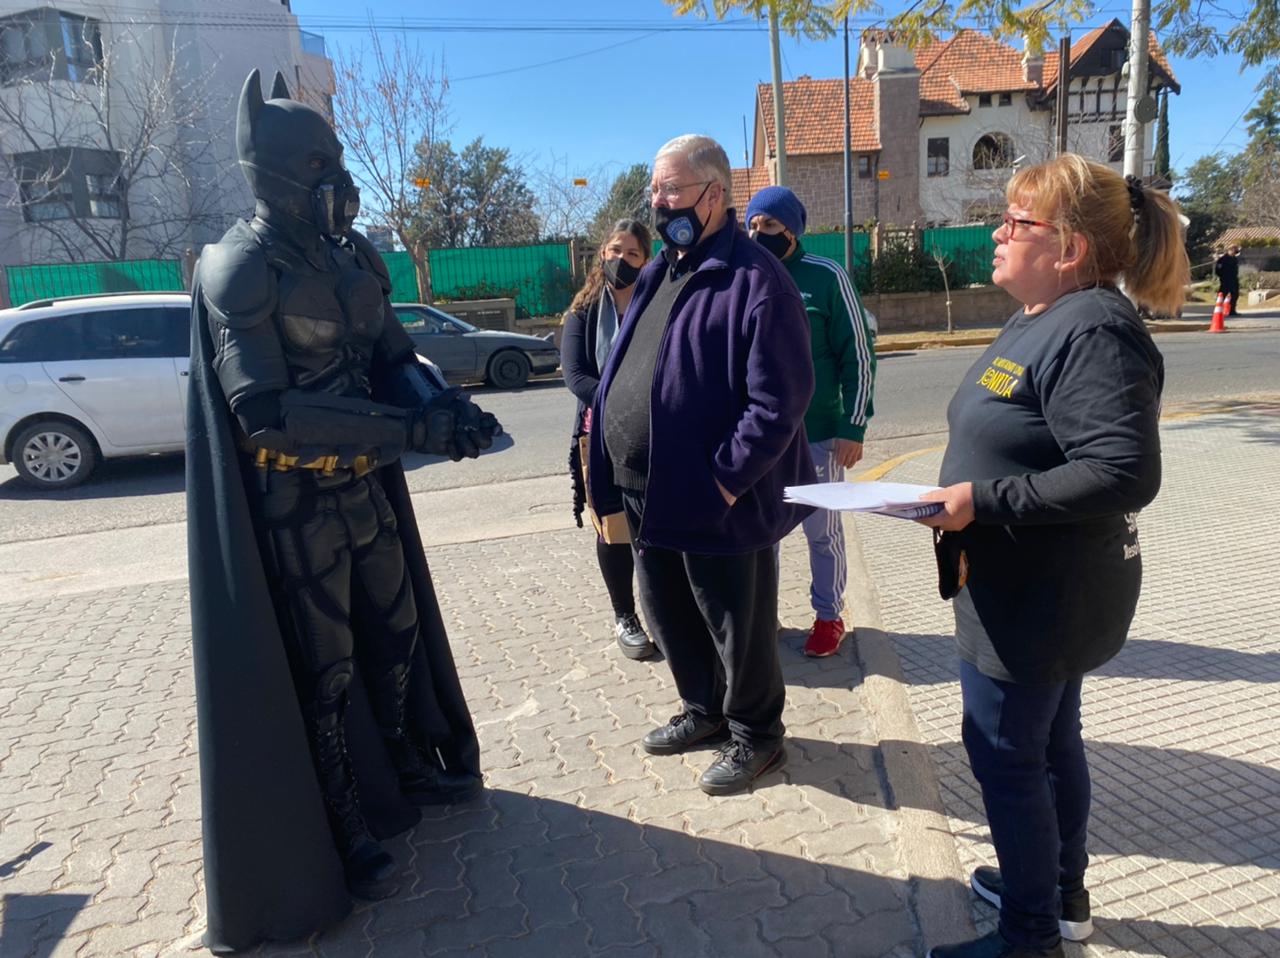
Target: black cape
[[270, 866]]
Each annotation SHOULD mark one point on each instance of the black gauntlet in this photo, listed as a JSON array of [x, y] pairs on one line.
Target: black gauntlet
[[452, 425], [444, 422]]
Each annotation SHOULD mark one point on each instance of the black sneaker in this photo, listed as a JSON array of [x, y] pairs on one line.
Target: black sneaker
[[632, 639], [994, 946], [681, 732], [737, 765], [1075, 923]]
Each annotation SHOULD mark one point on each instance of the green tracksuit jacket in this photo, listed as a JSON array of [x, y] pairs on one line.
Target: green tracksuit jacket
[[844, 362]]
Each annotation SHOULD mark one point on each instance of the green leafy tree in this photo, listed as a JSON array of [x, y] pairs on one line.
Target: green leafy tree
[[628, 198], [478, 197], [1260, 193], [1210, 191], [1189, 27]]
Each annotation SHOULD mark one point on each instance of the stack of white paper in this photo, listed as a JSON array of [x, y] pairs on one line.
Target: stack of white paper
[[898, 499]]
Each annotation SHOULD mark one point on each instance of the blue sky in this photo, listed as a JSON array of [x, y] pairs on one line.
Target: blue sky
[[603, 109]]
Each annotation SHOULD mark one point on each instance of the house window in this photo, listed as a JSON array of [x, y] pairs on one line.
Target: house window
[[864, 167], [938, 159], [47, 43], [1115, 143], [994, 151], [1006, 99], [984, 99], [68, 184], [46, 196], [104, 195]]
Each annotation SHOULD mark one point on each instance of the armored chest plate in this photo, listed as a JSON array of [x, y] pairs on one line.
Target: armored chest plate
[[330, 321]]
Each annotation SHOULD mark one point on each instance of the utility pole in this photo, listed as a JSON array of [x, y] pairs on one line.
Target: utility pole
[[848, 161], [780, 135], [1139, 103], [1064, 89]]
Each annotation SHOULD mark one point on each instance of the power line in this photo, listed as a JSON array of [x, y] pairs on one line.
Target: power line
[[547, 63]]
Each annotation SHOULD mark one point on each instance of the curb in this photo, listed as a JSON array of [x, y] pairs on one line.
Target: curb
[[940, 896]]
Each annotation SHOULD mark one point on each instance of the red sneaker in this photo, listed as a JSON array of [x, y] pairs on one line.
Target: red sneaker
[[824, 638]]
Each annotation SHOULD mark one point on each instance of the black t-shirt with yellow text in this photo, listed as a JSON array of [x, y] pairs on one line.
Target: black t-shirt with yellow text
[[1057, 427]]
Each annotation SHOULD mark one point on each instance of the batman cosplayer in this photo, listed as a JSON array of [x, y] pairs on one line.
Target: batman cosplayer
[[329, 706]]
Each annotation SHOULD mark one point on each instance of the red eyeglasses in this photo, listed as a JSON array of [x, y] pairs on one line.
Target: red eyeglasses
[[1011, 223]]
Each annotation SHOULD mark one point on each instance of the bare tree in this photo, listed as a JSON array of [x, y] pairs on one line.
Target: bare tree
[[389, 105], [102, 145], [569, 197]]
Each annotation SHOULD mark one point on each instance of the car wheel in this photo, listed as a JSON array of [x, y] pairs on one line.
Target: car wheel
[[509, 370], [52, 454]]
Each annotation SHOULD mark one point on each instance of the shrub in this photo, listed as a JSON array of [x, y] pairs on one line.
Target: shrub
[[1263, 280]]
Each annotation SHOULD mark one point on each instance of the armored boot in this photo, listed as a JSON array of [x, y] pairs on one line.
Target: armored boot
[[367, 866], [424, 777]]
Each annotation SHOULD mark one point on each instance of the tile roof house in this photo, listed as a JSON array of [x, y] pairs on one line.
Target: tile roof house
[[936, 131]]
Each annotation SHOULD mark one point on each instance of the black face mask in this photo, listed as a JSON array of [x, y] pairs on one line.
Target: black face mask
[[680, 227], [619, 273], [779, 244]]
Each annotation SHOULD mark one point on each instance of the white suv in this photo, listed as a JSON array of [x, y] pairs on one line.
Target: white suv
[[89, 378]]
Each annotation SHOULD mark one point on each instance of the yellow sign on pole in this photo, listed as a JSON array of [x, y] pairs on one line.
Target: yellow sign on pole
[[882, 175], [579, 181]]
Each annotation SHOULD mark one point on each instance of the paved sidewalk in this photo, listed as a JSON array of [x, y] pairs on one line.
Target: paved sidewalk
[[583, 844], [1181, 727]]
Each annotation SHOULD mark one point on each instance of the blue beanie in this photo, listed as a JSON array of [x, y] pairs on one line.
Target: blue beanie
[[780, 203]]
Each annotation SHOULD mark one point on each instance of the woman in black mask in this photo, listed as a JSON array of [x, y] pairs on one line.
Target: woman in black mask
[[590, 327]]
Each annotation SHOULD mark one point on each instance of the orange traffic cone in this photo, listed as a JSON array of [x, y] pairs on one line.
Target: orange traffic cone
[[1226, 306], [1216, 325]]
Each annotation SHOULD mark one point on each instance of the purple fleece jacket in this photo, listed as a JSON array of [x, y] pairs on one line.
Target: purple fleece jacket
[[733, 379]]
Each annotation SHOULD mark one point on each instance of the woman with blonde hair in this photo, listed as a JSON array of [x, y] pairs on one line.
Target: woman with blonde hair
[[589, 330], [1054, 447]]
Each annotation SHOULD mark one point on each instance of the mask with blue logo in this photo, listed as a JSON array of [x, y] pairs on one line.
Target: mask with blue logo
[[680, 227]]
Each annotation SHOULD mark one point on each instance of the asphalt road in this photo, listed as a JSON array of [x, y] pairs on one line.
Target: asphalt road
[[912, 392]]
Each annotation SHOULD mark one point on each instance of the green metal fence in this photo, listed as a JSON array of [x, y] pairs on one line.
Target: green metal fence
[[539, 278], [832, 246], [969, 248], [404, 278], [27, 283]]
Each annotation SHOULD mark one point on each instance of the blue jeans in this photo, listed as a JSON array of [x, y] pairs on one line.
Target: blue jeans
[[1027, 754]]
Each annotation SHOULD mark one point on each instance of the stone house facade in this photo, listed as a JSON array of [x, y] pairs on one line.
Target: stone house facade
[[936, 132]]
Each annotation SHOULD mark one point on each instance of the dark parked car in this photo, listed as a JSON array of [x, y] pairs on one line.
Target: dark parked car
[[464, 353]]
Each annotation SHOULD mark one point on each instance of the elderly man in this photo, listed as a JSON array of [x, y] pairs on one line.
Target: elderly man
[[701, 424]]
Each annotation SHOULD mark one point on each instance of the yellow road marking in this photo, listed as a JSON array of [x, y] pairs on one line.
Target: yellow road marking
[[886, 467]]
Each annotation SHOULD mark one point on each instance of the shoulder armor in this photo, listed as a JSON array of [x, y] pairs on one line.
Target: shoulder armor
[[370, 259], [238, 284]]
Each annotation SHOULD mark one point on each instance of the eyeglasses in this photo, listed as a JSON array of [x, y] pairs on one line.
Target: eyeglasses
[[669, 191], [1011, 223]]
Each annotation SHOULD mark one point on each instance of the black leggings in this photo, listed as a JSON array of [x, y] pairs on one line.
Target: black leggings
[[617, 567]]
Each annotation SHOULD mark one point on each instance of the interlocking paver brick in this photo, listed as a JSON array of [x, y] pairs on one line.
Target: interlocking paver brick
[[587, 846], [1174, 725]]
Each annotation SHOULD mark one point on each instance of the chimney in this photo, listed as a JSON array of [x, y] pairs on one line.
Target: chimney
[[1032, 63], [891, 67]]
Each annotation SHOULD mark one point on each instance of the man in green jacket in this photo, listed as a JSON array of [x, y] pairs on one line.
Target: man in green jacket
[[844, 366]]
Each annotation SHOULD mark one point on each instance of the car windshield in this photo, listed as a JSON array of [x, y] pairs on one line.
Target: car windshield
[[454, 320]]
